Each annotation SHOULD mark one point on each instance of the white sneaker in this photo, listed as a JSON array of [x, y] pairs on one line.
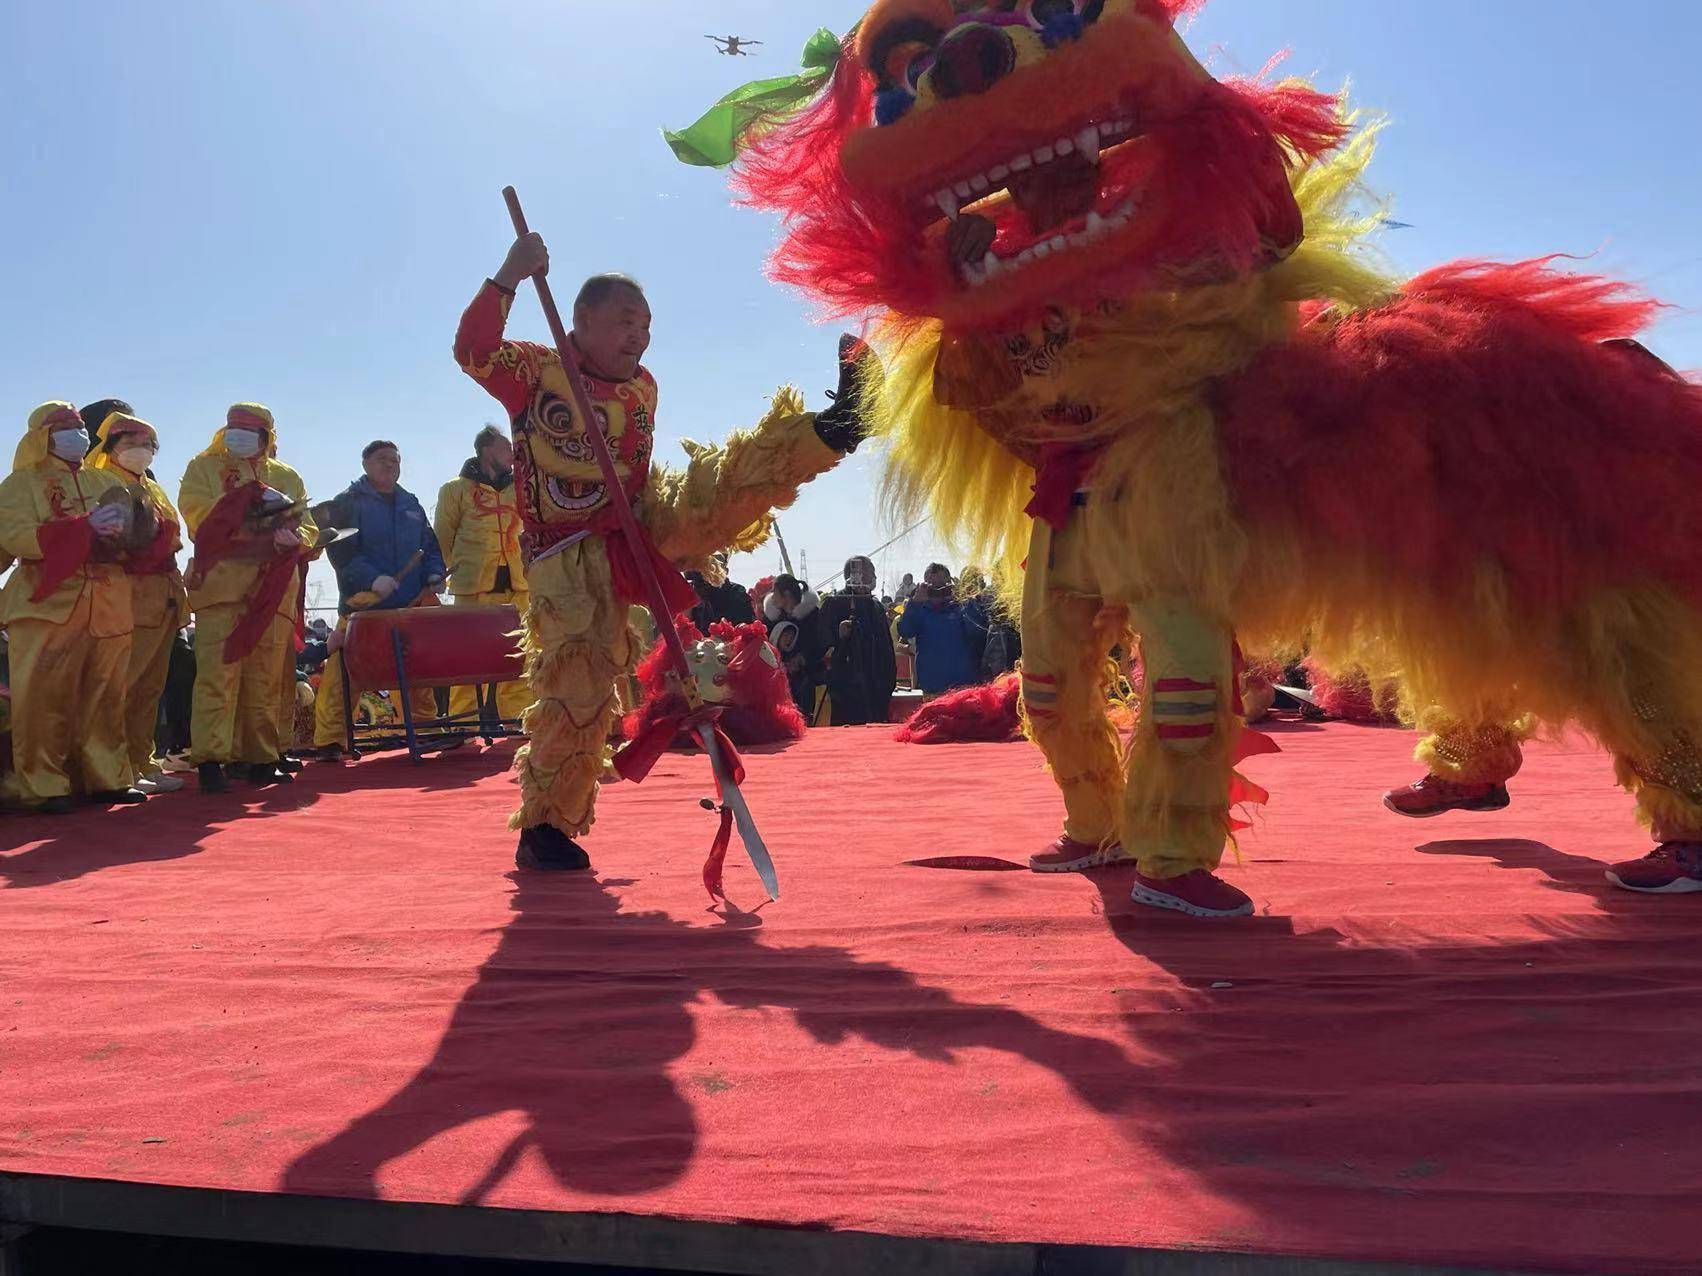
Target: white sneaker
[[160, 782]]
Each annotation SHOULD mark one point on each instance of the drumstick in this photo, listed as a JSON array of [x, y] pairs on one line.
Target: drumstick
[[371, 598]]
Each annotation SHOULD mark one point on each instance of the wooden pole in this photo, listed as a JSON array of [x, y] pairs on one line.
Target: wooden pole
[[629, 529]]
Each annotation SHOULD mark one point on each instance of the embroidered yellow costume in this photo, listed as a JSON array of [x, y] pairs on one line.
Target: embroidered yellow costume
[[67, 613], [244, 591]]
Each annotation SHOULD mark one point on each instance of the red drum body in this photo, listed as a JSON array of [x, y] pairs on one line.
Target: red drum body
[[441, 646]]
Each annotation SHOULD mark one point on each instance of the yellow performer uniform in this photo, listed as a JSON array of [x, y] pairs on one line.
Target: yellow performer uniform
[[478, 526], [582, 574], [244, 591], [67, 617], [124, 446]]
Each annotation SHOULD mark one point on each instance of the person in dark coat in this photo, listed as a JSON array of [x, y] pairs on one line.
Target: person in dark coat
[[862, 670], [791, 602], [727, 601]]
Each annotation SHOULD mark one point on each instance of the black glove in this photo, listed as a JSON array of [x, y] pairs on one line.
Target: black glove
[[846, 424]]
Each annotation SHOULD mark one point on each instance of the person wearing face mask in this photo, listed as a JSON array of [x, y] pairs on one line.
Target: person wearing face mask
[[242, 507], [67, 614], [583, 574], [478, 527], [862, 668], [393, 562], [125, 446]]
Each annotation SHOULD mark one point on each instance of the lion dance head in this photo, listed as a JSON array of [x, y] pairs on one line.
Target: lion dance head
[[1103, 158], [736, 671]]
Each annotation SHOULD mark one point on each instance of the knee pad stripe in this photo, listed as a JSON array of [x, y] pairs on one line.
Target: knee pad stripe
[[1201, 709], [1198, 731]]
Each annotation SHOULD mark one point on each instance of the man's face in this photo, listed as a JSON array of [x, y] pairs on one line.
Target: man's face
[[860, 574], [614, 333], [384, 468], [499, 456]]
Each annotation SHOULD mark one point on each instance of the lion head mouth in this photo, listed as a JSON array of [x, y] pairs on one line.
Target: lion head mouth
[[1069, 193], [576, 497]]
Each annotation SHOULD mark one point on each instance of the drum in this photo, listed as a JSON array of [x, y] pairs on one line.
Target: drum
[[440, 646]]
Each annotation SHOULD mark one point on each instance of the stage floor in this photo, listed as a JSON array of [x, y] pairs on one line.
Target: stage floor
[[1444, 1042]]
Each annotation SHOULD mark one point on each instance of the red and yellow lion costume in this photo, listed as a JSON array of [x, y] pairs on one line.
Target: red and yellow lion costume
[[1135, 339]]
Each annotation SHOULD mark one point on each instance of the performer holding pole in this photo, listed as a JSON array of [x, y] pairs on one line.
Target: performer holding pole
[[603, 529]]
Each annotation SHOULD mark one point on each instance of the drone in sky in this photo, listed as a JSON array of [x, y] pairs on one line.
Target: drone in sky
[[733, 46]]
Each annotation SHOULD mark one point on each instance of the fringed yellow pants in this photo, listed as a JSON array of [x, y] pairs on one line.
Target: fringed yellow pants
[[1168, 799], [1666, 781], [580, 648], [512, 698], [235, 718], [67, 699], [1472, 753]]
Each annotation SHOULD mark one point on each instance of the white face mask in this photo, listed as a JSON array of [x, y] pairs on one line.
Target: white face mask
[[243, 443], [69, 445], [135, 459]]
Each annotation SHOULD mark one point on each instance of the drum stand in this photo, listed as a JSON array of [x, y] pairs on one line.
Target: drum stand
[[447, 731]]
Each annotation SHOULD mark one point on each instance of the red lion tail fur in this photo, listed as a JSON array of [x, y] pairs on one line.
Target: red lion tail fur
[[983, 714]]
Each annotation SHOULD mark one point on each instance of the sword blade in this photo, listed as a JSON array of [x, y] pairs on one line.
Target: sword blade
[[742, 820]]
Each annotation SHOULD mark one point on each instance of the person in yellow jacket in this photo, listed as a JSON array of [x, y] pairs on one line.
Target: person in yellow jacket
[[245, 511], [478, 526], [67, 615], [125, 446]]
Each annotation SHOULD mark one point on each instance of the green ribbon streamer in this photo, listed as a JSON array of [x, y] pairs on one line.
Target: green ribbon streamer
[[716, 139]]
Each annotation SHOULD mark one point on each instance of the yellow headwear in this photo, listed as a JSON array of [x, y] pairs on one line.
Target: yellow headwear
[[115, 424], [247, 416], [33, 447]]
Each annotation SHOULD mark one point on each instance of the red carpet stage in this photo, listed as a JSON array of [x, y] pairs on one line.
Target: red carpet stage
[[1439, 1043]]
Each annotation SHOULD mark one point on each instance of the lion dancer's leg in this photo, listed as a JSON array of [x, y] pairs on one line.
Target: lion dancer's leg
[[1467, 765], [1181, 776], [578, 647], [1658, 758], [1065, 681]]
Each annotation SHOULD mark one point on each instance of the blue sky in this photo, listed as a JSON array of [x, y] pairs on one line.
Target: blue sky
[[208, 201]]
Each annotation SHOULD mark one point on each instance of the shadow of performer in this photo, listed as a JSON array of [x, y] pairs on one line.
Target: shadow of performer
[[578, 1015]]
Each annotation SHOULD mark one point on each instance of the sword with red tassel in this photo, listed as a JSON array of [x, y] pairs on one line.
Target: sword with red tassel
[[701, 720]]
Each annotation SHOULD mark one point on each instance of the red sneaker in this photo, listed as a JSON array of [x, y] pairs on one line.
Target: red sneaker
[[1067, 855], [1433, 795], [1672, 868], [1198, 894]]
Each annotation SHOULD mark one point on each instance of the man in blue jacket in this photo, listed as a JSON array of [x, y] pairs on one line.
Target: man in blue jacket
[[943, 632], [392, 561]]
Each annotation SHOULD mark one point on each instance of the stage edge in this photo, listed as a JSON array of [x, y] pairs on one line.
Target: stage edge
[[616, 1240]]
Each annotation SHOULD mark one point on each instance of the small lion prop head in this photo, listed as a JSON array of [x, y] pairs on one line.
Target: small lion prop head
[[1106, 159], [736, 671]]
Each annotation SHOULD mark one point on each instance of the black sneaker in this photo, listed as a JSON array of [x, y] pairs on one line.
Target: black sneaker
[[261, 774], [546, 848], [61, 805], [118, 797], [289, 766], [212, 778]]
